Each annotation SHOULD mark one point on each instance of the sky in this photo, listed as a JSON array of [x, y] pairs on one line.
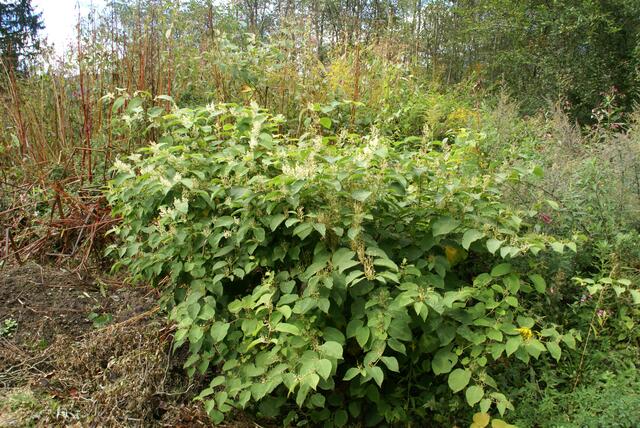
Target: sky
[[60, 17]]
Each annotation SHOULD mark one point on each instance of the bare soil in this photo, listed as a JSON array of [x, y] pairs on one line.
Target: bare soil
[[59, 368]]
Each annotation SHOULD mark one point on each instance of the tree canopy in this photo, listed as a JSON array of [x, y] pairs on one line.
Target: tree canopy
[[19, 27]]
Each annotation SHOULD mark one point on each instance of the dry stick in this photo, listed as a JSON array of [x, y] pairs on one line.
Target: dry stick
[[16, 112], [13, 246], [6, 243], [82, 229], [86, 110], [356, 89], [125, 322]]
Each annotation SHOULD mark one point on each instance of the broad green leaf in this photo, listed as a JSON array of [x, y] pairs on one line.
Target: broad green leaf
[[320, 228], [353, 327], [444, 225], [493, 245], [288, 328], [391, 363], [362, 335], [512, 345], [360, 195], [207, 312], [388, 263], [534, 347], [569, 340], [538, 282], [443, 361], [340, 418], [275, 221], [501, 269], [285, 310], [303, 230], [482, 280], [325, 122], [469, 237], [324, 368], [459, 379], [474, 394], [377, 374], [351, 373], [554, 350], [332, 349], [343, 259]]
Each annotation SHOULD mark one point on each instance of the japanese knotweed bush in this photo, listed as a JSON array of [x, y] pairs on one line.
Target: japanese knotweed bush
[[331, 282]]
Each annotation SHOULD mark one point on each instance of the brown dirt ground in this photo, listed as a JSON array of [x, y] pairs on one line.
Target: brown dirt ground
[[58, 369]]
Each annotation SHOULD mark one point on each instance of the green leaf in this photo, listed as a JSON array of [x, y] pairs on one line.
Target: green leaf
[[285, 310], [511, 301], [459, 379], [360, 195], [353, 326], [377, 374], [275, 221], [341, 418], [470, 236], [493, 245], [512, 345], [388, 263], [324, 368], [362, 335], [554, 350], [443, 361], [325, 122], [303, 230], [569, 340], [391, 363], [351, 373], [482, 280], [501, 269], [288, 328], [119, 102], [538, 282], [635, 296], [343, 259], [207, 312], [534, 347], [444, 225], [474, 394], [332, 349], [320, 228]]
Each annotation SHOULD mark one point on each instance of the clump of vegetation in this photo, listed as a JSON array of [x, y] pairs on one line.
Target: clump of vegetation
[[365, 279], [8, 327]]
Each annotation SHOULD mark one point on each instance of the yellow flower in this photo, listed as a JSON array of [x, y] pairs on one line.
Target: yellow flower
[[525, 332]]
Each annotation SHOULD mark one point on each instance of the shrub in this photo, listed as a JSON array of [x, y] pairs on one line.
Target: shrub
[[363, 280]]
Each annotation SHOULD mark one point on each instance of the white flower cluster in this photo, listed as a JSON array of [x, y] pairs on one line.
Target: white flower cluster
[[373, 144], [301, 171], [255, 133], [122, 167]]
